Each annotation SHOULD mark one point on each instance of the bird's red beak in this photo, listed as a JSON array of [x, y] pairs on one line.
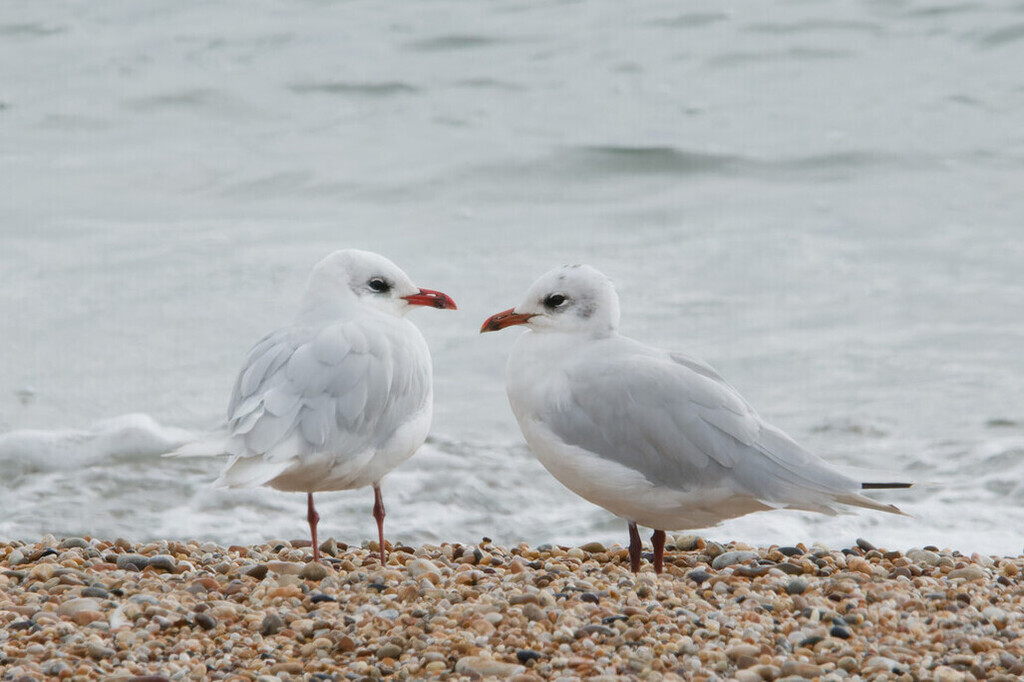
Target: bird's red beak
[[432, 298], [505, 318]]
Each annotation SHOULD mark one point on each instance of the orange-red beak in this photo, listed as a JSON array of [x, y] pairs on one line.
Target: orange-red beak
[[432, 298], [505, 318]]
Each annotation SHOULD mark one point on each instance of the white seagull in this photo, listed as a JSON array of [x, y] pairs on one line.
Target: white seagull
[[657, 438], [342, 395]]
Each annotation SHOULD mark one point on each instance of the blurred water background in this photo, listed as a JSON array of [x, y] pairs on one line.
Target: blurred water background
[[825, 201]]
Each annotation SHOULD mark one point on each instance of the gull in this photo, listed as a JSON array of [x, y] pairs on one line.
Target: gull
[[343, 394], [656, 438]]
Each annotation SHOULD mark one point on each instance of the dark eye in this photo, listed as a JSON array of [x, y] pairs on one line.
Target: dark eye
[[379, 285], [554, 300]]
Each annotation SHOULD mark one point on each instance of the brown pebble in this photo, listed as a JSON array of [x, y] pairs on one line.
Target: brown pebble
[[259, 571], [314, 571], [291, 667]]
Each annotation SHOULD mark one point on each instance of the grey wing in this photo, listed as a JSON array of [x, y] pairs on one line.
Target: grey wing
[[342, 389], [675, 420]]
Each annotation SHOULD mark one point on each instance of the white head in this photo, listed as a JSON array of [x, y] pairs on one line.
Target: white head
[[352, 276], [572, 298]]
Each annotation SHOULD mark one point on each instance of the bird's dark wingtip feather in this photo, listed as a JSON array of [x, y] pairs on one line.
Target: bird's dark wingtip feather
[[884, 486]]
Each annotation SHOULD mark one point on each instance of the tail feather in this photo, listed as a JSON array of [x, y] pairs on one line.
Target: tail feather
[[885, 486]]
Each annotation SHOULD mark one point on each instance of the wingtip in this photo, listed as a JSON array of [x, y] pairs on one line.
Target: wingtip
[[886, 486]]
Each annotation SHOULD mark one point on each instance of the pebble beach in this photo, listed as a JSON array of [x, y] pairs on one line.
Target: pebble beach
[[84, 608]]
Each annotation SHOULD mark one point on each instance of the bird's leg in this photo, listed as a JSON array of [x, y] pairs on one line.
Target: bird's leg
[[378, 513], [313, 519], [634, 548], [658, 540]]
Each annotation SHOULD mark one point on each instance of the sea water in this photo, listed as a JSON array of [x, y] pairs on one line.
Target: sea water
[[826, 202]]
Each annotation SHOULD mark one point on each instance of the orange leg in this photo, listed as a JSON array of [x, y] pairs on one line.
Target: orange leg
[[634, 548], [658, 540], [378, 513], [313, 519]]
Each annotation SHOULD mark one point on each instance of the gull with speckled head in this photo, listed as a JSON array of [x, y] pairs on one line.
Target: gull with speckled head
[[655, 437], [343, 394]]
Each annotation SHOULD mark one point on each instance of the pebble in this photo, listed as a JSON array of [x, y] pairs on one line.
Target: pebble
[[698, 576], [313, 571], [730, 558], [389, 650], [206, 621], [271, 625], [968, 573], [520, 613], [162, 562], [477, 667], [419, 568], [73, 606], [259, 571], [129, 561], [796, 586]]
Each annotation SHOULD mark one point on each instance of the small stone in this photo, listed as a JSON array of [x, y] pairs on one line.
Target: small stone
[[314, 571], [42, 572], [420, 567], [259, 571], [206, 621], [802, 669], [996, 616], [526, 655], [923, 556], [865, 545], [968, 573], [796, 586], [739, 650], [595, 629], [346, 644], [95, 591], [73, 606], [534, 612], [944, 673], [285, 567], [272, 624], [791, 551], [127, 562], [99, 651], [751, 571], [86, 617], [318, 598], [593, 548], [329, 547], [71, 543], [687, 543], [16, 558], [839, 632], [730, 558], [698, 576], [389, 650], [162, 562], [477, 667], [290, 667]]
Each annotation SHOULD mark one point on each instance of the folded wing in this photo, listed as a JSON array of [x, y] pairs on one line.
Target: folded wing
[[342, 389], [678, 423]]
